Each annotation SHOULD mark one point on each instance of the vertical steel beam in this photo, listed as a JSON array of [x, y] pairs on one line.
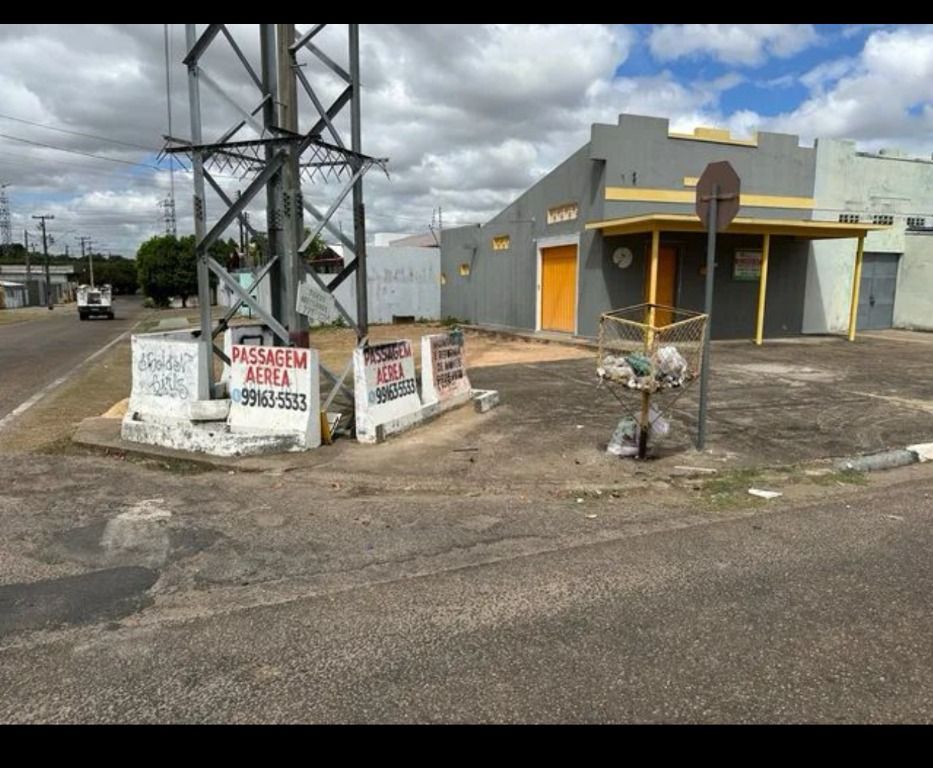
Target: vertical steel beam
[[856, 284], [708, 309], [359, 210], [206, 352], [292, 213], [274, 186], [762, 289], [653, 276]]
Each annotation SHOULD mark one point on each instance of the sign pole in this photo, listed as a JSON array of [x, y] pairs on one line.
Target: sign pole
[[710, 272]]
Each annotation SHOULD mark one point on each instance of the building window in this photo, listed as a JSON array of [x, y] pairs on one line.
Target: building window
[[566, 212], [464, 270], [501, 243], [916, 222], [882, 218], [849, 218]]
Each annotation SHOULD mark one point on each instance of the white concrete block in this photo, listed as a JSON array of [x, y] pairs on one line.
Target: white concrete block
[[208, 410], [924, 451]]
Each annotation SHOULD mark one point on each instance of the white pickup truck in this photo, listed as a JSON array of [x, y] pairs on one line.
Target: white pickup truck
[[95, 302]]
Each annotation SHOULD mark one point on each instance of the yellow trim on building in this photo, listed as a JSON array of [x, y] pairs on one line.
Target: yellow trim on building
[[501, 243], [691, 181], [646, 195], [688, 197], [564, 212], [688, 222], [775, 201], [717, 135]]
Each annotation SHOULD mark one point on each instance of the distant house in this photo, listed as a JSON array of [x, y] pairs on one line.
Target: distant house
[[61, 278], [328, 261], [426, 240], [12, 295]]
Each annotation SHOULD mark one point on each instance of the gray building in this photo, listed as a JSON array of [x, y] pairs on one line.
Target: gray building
[[61, 279], [614, 225]]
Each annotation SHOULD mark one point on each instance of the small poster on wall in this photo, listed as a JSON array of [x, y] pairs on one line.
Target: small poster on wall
[[747, 265]]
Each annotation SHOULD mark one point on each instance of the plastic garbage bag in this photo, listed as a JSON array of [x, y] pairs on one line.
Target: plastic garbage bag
[[624, 440], [671, 362]]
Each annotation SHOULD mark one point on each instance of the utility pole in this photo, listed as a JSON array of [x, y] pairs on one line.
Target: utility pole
[[45, 250], [6, 237], [90, 261], [28, 270]]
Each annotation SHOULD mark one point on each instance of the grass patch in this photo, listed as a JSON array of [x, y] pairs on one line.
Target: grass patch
[[844, 477], [737, 481], [24, 315]]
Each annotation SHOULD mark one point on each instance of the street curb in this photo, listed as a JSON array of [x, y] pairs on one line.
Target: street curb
[[924, 451], [878, 461]]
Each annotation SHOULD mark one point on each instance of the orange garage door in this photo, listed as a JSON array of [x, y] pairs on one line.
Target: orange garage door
[[558, 288]]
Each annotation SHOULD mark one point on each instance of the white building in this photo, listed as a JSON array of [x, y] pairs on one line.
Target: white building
[[896, 286]]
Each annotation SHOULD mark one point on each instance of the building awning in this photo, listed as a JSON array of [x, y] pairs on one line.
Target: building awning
[[687, 222]]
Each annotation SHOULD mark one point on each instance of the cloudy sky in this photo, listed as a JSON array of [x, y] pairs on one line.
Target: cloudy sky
[[468, 116]]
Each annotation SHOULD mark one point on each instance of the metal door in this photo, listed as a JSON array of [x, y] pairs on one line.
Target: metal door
[[876, 292]]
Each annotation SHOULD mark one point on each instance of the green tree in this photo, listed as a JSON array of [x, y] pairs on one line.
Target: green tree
[[167, 266], [317, 247], [118, 271], [158, 268]]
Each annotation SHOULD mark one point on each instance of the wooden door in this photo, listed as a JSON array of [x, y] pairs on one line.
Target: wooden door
[[559, 288]]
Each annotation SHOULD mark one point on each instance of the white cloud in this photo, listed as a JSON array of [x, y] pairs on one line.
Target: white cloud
[[871, 98], [748, 44], [469, 116]]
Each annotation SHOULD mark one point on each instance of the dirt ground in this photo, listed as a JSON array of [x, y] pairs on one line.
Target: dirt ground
[[23, 315], [336, 345], [104, 388]]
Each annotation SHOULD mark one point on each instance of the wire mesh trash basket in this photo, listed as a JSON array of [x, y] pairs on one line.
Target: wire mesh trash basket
[[650, 352]]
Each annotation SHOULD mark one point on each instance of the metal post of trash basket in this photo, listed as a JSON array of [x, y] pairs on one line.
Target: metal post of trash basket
[[653, 351]]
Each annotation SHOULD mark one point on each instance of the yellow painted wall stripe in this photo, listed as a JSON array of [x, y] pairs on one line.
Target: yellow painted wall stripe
[[686, 196], [775, 201], [718, 137]]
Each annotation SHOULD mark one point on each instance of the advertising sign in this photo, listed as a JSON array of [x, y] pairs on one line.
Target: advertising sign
[[385, 385], [443, 367], [275, 388]]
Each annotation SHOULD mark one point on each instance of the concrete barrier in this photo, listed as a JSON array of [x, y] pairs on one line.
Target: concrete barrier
[[166, 375]]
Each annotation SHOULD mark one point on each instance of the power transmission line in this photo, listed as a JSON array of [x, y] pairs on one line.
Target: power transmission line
[[79, 133], [78, 152]]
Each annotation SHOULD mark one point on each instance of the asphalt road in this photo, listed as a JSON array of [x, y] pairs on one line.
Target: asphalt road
[[776, 613], [35, 353]]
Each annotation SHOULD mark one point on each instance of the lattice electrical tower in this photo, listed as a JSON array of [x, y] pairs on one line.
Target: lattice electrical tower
[[266, 147]]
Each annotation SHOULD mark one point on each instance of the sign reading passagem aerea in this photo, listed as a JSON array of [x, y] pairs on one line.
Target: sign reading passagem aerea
[[385, 386], [443, 368], [275, 388]]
